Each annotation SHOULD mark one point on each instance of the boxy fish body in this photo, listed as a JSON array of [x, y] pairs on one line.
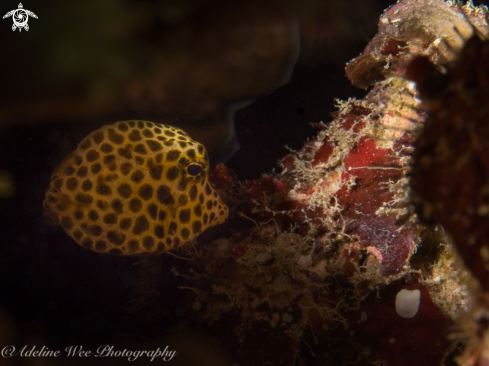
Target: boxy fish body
[[134, 187]]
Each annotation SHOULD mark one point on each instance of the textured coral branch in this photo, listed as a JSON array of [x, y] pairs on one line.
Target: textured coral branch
[[329, 251]]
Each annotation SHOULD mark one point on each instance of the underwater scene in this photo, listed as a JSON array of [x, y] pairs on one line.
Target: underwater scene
[[256, 183]]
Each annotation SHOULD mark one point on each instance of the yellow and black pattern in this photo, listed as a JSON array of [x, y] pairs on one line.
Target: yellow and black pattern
[[134, 187]]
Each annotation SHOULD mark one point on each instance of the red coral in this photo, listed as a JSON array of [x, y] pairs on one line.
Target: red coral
[[335, 229], [371, 168]]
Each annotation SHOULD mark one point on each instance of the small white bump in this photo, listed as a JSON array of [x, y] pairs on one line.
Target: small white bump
[[407, 303]]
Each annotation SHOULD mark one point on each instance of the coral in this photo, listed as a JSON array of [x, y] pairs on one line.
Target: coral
[[432, 28], [321, 254], [451, 158], [348, 184], [451, 170]]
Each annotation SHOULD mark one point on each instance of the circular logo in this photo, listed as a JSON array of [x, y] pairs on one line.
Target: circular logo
[[20, 18]]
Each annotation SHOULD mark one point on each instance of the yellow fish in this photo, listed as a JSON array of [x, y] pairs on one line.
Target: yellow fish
[[134, 187]]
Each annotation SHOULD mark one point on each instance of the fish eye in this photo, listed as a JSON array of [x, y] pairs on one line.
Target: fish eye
[[194, 169]]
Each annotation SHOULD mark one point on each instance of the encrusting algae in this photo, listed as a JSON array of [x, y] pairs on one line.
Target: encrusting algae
[[134, 187]]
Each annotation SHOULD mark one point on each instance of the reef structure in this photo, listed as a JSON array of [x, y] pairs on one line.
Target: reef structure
[[328, 257], [450, 172]]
